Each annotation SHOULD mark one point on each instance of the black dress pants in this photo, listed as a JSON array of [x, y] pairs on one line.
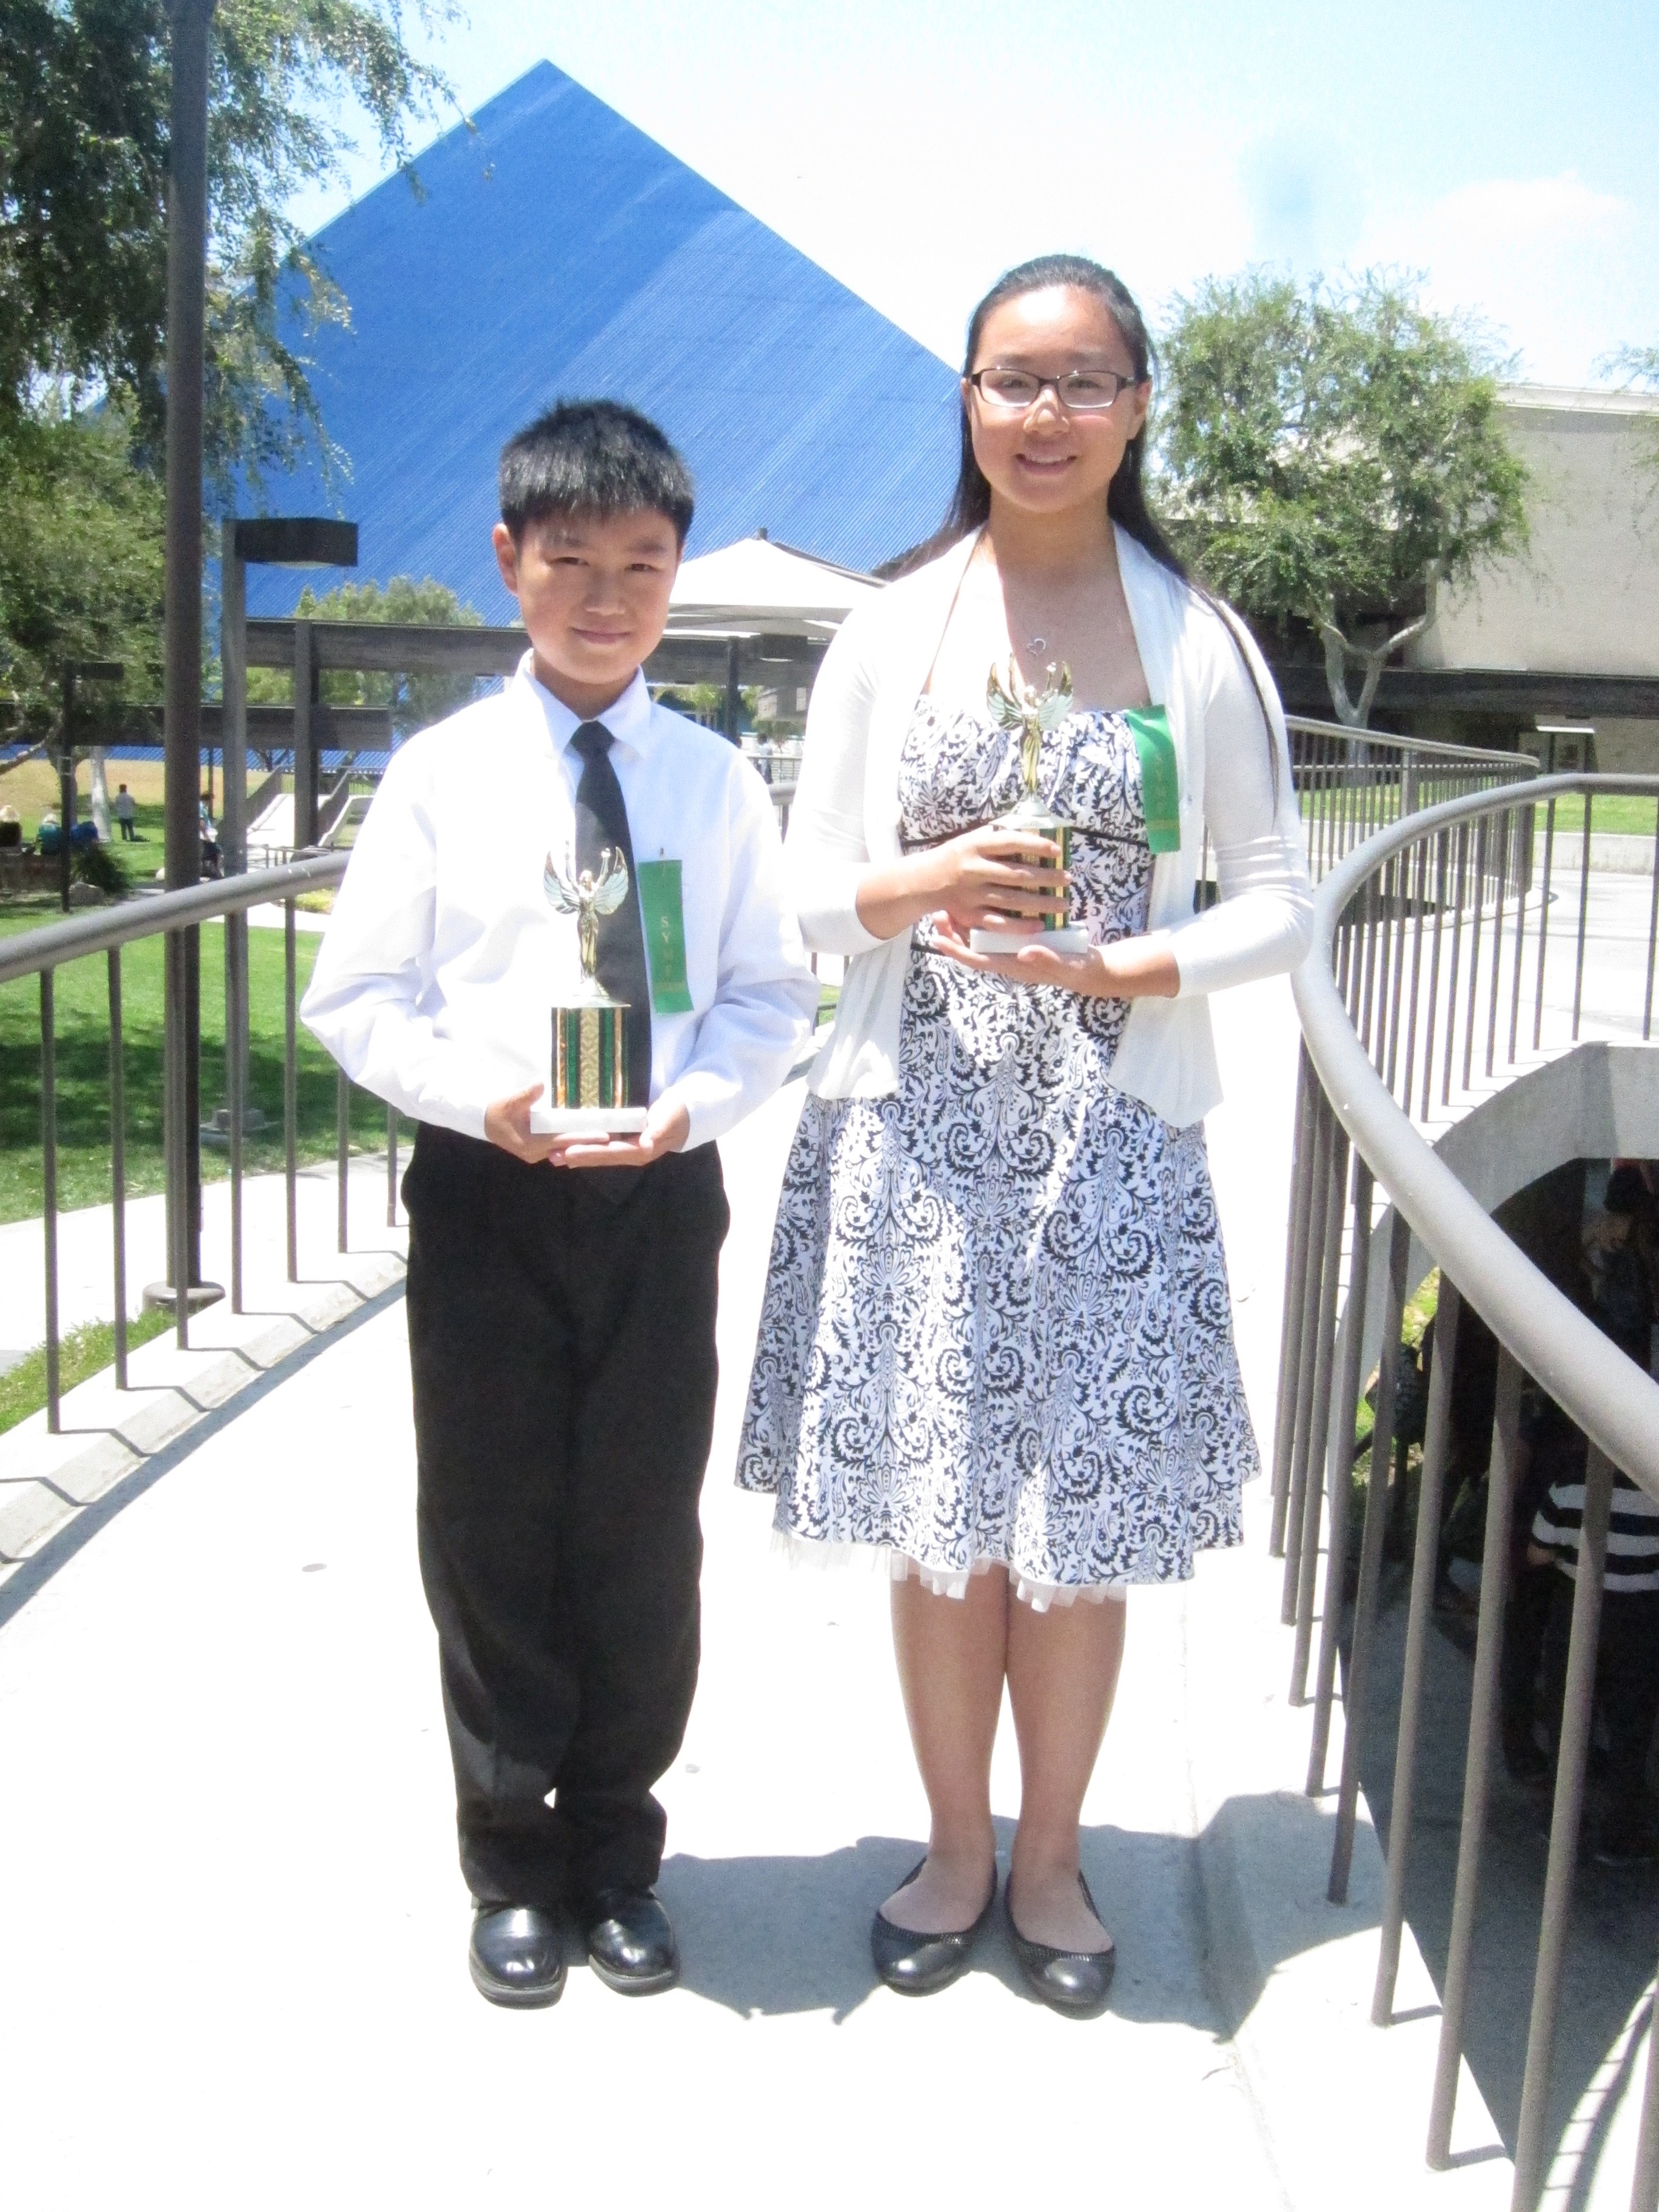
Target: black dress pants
[[561, 1340], [1626, 1681]]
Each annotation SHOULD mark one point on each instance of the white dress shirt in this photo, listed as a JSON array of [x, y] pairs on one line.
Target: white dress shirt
[[435, 982]]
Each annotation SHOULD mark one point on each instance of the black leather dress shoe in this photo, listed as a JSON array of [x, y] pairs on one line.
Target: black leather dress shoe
[[516, 1955], [1076, 1982], [915, 1963], [630, 1941]]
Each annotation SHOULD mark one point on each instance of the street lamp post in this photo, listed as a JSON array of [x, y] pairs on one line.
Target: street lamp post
[[190, 21], [291, 541], [280, 541]]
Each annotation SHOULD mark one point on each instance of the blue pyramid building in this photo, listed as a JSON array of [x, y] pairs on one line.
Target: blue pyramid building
[[559, 252]]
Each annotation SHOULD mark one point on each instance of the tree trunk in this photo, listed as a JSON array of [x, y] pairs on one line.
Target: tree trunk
[[1355, 714], [101, 794]]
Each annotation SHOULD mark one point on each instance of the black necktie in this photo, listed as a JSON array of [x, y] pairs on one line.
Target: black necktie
[[602, 820]]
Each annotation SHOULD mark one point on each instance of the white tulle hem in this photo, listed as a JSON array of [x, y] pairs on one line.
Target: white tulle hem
[[942, 1582]]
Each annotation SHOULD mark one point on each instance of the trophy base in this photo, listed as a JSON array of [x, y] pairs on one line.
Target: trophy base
[[586, 1121], [1070, 937]]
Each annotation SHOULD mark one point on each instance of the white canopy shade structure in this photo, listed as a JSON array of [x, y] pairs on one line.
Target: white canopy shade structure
[[755, 612], [758, 587]]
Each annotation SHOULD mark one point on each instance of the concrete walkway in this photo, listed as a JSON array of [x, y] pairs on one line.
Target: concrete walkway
[[232, 1932]]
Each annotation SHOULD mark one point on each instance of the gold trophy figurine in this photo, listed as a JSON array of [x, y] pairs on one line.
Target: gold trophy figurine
[[588, 1094], [1021, 707]]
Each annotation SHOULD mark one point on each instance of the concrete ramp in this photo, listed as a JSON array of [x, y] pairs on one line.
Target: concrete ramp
[[233, 1933]]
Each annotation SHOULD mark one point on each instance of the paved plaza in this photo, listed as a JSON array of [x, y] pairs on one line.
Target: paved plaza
[[233, 1935]]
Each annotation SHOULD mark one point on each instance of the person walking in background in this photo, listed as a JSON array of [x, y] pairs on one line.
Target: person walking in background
[[126, 813], [1627, 1652], [997, 1338]]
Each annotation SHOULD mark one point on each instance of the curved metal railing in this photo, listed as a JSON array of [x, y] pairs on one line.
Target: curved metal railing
[[177, 916], [1427, 935]]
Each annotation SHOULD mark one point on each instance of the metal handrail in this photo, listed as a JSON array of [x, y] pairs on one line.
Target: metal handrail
[[1606, 1394], [174, 915], [36, 951], [1354, 1002], [1424, 748]]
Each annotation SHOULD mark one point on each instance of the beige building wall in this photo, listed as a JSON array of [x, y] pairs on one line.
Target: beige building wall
[[1585, 598]]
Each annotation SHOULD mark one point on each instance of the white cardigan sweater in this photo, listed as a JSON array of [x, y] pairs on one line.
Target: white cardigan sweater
[[845, 820]]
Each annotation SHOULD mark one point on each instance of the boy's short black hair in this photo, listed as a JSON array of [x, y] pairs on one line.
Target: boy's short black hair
[[592, 457]]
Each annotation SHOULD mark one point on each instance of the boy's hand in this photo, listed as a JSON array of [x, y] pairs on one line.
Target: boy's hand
[[506, 1123], [666, 1129]]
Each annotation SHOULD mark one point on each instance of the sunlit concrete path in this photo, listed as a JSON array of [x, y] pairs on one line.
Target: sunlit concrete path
[[232, 1932]]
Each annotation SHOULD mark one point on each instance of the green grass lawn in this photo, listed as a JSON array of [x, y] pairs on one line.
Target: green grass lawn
[[81, 1353], [83, 1031], [1622, 816]]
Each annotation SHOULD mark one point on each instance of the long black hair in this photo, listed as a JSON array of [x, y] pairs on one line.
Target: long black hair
[[1126, 496]]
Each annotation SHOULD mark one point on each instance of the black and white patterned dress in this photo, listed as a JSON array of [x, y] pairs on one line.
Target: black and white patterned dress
[[996, 1328]]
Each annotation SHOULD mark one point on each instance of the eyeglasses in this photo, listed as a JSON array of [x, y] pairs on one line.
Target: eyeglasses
[[1080, 391]]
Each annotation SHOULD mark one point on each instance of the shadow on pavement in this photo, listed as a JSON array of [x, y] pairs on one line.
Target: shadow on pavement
[[786, 1934], [1614, 1939]]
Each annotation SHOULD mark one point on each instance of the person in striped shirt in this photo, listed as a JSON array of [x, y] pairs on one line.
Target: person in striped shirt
[[1627, 1654]]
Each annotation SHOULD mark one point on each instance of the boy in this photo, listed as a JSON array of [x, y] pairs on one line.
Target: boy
[[561, 1293]]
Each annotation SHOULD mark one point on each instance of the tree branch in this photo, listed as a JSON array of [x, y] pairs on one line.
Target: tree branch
[[1338, 652], [1355, 714]]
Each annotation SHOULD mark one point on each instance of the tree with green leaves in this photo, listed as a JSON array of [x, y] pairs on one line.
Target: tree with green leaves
[[1335, 459], [83, 154], [1636, 367], [415, 700], [80, 563]]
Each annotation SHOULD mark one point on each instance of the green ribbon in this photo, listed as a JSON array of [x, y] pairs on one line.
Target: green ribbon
[[662, 911], [1160, 779]]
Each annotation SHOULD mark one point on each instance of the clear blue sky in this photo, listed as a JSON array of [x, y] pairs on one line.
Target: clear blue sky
[[916, 148]]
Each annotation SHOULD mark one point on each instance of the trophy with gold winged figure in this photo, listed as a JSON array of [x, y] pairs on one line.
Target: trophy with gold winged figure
[[1021, 707], [589, 1090]]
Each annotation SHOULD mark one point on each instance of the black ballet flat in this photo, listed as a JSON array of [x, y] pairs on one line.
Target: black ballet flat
[[1075, 1982], [915, 1963]]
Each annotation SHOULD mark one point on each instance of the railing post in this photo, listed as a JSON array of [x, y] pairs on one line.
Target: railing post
[[1313, 1491], [1290, 1330], [1653, 937], [1425, 1565], [1543, 924], [1483, 1737], [341, 1155], [178, 1140], [1505, 827], [1572, 1756], [1371, 1561], [1442, 848], [117, 1163], [1340, 1459], [1459, 882], [1481, 833], [290, 1094], [236, 1062], [306, 763], [1324, 1122], [49, 1184], [1583, 916]]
